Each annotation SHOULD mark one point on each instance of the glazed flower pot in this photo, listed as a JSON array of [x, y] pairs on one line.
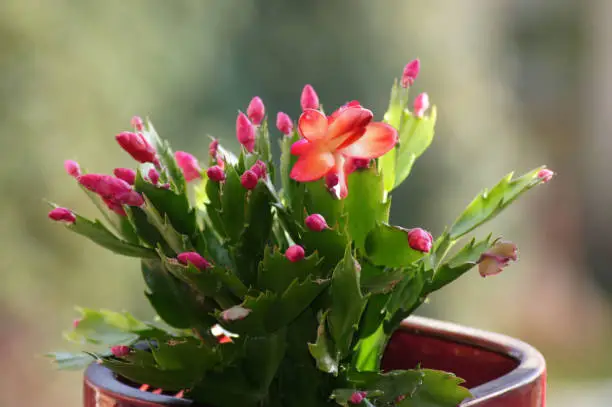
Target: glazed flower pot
[[500, 371]]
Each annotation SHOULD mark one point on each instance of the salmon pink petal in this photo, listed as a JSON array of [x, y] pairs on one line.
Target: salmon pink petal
[[334, 115], [312, 125], [312, 166], [300, 147], [378, 139], [348, 121]]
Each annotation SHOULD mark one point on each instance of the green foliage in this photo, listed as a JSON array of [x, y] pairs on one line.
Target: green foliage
[[300, 331], [71, 361]]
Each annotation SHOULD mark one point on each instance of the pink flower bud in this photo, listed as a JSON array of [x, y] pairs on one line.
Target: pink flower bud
[[284, 123], [419, 239], [235, 313], [126, 174], [309, 98], [421, 104], [249, 179], [72, 168], [213, 147], [545, 175], [315, 222], [215, 173], [75, 323], [245, 132], [256, 110], [115, 206], [194, 258], [153, 176], [260, 169], [138, 147], [111, 188], [331, 179], [158, 391], [137, 123], [295, 253], [411, 71], [497, 258], [165, 186], [357, 397], [62, 215], [120, 351], [189, 165]]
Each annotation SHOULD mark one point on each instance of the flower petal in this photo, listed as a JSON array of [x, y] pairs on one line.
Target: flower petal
[[312, 125], [378, 139], [349, 120], [312, 166]]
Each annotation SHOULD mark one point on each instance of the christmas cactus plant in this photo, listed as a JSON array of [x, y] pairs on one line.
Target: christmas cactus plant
[[280, 285]]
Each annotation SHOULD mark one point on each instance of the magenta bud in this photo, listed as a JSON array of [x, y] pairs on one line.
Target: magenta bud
[[189, 165], [115, 206], [545, 175], [62, 215], [260, 169], [165, 186], [72, 168], [245, 132], [111, 188], [153, 176], [75, 323], [309, 98], [136, 145], [249, 179], [421, 104], [194, 258], [419, 239], [215, 173], [137, 123], [295, 253], [315, 222], [284, 123], [126, 174], [360, 163], [411, 71], [331, 179], [213, 147], [120, 351], [256, 110], [357, 397]]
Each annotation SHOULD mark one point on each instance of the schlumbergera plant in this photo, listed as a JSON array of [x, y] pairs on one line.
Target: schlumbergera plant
[[280, 297]]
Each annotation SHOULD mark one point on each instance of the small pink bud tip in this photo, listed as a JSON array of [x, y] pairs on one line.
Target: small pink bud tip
[[62, 215], [213, 147], [120, 351], [411, 71], [315, 222], [249, 179], [357, 397], [114, 206], [126, 174], [419, 239], [235, 313], [295, 253], [72, 168], [180, 394], [260, 169], [421, 104], [256, 110], [157, 391], [189, 165], [245, 132], [284, 123], [137, 123], [309, 98], [215, 173], [545, 175], [331, 179], [136, 145], [144, 387], [153, 176], [76, 323], [194, 258], [497, 258], [111, 188]]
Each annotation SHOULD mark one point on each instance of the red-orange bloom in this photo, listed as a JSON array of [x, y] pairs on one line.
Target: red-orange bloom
[[330, 143]]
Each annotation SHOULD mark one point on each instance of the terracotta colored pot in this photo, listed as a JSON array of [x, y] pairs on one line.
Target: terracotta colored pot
[[500, 371]]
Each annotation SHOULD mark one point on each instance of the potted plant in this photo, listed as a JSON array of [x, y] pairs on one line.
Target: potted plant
[[297, 296]]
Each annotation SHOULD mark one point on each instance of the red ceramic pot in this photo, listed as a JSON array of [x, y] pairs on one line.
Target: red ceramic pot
[[500, 371]]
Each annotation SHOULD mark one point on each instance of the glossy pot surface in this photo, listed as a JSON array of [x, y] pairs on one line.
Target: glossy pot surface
[[500, 371]]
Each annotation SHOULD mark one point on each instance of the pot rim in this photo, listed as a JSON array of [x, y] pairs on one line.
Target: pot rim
[[531, 365]]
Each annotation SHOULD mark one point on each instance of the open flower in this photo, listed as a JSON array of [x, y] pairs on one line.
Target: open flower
[[329, 142]]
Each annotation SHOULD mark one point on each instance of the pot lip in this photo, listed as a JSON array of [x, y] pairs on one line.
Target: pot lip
[[531, 368]]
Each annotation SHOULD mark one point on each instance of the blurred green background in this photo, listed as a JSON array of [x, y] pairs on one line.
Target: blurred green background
[[518, 83]]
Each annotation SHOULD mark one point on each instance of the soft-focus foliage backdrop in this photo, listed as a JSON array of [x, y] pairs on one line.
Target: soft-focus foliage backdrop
[[517, 84]]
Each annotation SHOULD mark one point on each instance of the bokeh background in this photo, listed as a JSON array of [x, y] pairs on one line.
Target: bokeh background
[[518, 83]]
